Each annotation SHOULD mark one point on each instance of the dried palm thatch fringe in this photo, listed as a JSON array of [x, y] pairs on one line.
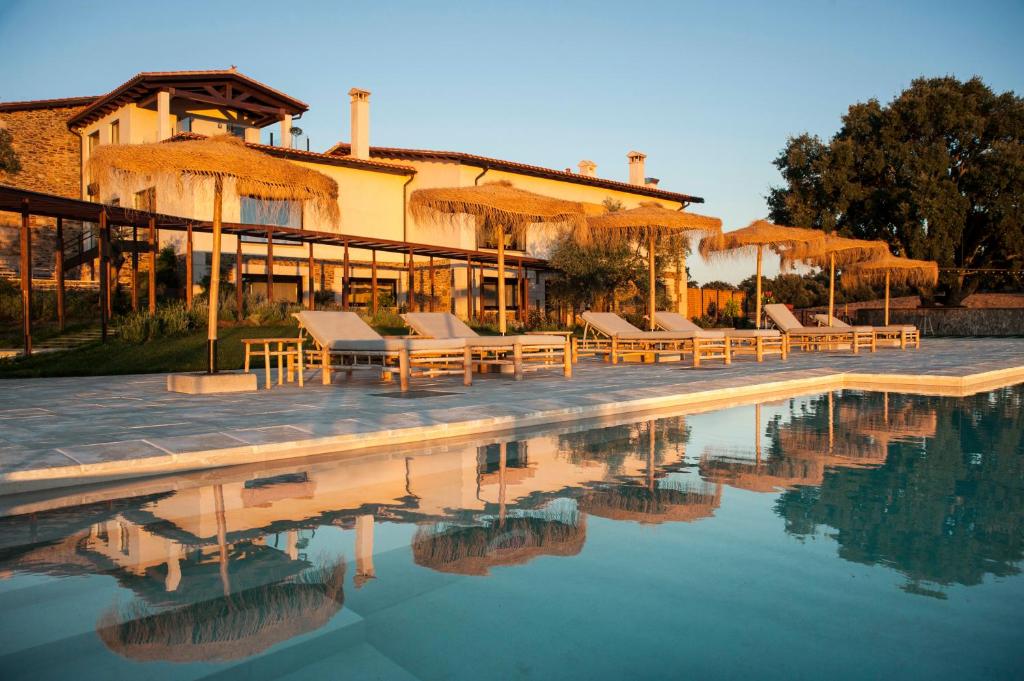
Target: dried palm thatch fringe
[[473, 550], [743, 242], [845, 251], [231, 627], [901, 272], [496, 207], [644, 505], [646, 219], [184, 166]]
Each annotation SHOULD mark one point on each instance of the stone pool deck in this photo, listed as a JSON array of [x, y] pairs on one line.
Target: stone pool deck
[[62, 432]]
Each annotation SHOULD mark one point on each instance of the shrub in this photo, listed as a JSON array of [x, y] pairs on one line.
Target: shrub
[[174, 319], [135, 327]]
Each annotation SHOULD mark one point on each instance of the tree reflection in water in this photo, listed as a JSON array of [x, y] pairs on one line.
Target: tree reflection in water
[[945, 508]]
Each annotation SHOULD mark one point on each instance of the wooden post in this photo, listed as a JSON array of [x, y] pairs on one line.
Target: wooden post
[[502, 322], [58, 271], [887, 301], [345, 284], [520, 298], [757, 293], [480, 295], [373, 281], [26, 278], [239, 282], [104, 280], [135, 268], [526, 293], [152, 265], [311, 266], [469, 288], [188, 267], [682, 304], [412, 284], [831, 287], [111, 277], [270, 265], [214, 302], [430, 272], [651, 282]]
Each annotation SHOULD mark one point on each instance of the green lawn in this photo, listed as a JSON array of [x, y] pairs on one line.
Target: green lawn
[[185, 353]]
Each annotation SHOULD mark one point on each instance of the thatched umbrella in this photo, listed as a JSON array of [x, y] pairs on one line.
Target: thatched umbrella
[[755, 237], [229, 627], [835, 250], [475, 549], [499, 209], [183, 167], [647, 223], [891, 268]]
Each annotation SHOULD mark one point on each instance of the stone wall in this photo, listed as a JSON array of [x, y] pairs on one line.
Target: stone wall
[[50, 157], [952, 321]]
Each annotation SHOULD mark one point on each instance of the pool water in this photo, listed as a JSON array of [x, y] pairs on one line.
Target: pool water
[[840, 535]]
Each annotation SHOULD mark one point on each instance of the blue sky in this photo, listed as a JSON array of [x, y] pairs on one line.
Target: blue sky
[[709, 90]]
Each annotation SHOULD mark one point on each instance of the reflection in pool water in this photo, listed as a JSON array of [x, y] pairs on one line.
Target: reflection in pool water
[[654, 548]]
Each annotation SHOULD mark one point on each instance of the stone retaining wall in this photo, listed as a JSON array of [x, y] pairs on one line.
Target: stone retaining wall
[[952, 321]]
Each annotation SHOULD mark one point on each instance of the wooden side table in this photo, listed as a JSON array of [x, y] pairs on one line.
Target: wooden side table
[[287, 350]]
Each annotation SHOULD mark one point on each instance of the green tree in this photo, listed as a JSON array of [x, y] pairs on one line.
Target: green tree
[[8, 157], [589, 275], [938, 173]]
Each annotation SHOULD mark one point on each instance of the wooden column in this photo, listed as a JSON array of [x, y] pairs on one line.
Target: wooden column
[[58, 271], [345, 278], [26, 278], [480, 294], [430, 271], [520, 287], [135, 268], [110, 275], [311, 267], [652, 282], [152, 265], [239, 282], [886, 306], [104, 280], [757, 292], [188, 267], [526, 294], [373, 281], [469, 288], [270, 265], [411, 295]]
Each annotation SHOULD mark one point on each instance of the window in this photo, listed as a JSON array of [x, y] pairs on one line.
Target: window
[[184, 124], [361, 289], [488, 457], [94, 141], [512, 242], [115, 132], [279, 213], [287, 287], [489, 289], [236, 130], [146, 200]]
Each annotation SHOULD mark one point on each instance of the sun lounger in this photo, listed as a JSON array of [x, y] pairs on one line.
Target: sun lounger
[[818, 337], [900, 335], [523, 353], [343, 337], [608, 334], [757, 342]]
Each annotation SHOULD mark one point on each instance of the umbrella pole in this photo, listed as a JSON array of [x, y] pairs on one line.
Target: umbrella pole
[[502, 327], [757, 295], [757, 433], [211, 334], [683, 295], [886, 299], [831, 287], [651, 281]]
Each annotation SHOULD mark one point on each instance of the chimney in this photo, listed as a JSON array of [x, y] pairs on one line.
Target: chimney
[[636, 167], [588, 168], [360, 123]]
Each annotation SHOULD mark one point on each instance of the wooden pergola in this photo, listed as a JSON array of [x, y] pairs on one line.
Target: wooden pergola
[[29, 203]]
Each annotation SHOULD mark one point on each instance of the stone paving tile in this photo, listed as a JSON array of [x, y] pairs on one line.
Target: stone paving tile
[[120, 416], [111, 451]]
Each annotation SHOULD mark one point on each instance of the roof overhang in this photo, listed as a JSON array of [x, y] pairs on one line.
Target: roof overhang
[[227, 89]]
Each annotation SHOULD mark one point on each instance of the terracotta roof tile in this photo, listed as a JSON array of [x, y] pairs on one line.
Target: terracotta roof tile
[[343, 149], [61, 103]]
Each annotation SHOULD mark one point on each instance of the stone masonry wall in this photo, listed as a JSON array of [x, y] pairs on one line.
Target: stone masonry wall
[[952, 321]]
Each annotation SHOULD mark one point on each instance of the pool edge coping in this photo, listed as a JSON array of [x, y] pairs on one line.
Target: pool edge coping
[[40, 479]]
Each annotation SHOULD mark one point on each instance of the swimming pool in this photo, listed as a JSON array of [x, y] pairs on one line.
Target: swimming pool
[[846, 535]]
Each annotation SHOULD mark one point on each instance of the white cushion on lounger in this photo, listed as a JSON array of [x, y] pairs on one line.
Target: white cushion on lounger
[[447, 325], [395, 344], [613, 325], [673, 321], [328, 326]]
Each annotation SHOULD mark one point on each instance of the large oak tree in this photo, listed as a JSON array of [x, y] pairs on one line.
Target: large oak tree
[[938, 173]]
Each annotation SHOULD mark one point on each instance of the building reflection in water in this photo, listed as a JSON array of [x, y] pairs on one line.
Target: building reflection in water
[[222, 571]]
